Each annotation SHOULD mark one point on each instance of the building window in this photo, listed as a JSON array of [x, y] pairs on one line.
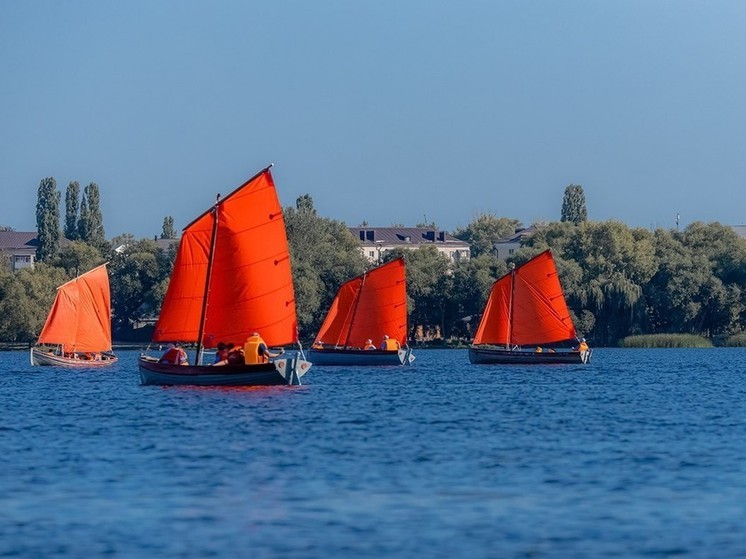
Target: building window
[[372, 254], [510, 252]]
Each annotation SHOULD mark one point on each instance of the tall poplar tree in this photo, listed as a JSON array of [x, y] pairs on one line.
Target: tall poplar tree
[[90, 223], [573, 205], [47, 219], [72, 206], [168, 228], [83, 220]]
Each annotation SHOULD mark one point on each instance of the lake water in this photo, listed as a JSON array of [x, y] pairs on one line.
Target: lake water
[[640, 454]]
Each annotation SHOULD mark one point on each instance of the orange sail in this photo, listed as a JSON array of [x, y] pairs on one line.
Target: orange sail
[[527, 307], [233, 267], [368, 307], [80, 318]]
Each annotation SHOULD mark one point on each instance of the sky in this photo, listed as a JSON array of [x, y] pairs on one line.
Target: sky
[[384, 111]]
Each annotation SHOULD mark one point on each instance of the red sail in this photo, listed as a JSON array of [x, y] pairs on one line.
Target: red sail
[[251, 285], [369, 307], [538, 312], [80, 318]]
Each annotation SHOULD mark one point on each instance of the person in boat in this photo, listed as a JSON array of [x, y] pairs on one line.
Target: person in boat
[[390, 345], [233, 355], [318, 344], [175, 355], [539, 350], [222, 353], [582, 346], [369, 345], [256, 350]]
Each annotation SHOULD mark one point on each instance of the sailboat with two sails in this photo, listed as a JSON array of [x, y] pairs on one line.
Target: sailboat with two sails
[[366, 309], [231, 279], [77, 332], [526, 316]]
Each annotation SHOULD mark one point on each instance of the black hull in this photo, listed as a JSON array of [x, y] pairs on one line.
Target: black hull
[[484, 356], [279, 372], [360, 357]]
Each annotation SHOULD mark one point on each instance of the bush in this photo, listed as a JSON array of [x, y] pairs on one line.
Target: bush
[[739, 340], [666, 340]]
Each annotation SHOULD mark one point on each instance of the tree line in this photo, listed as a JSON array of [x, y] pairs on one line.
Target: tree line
[[618, 280]]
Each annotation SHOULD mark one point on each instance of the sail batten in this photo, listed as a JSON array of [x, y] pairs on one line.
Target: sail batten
[[527, 307], [251, 286], [80, 317], [368, 307]]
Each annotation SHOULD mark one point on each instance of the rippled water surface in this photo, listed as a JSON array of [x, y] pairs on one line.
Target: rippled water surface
[[642, 453]]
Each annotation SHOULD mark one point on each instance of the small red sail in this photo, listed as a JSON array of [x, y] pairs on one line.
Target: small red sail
[[527, 307], [250, 287], [80, 318], [368, 307]]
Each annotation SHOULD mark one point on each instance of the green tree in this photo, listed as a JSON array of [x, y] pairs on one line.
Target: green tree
[[47, 219], [90, 223], [139, 278], [472, 282], [25, 300], [573, 205], [168, 231], [429, 286], [484, 231], [72, 207], [612, 263], [77, 257], [324, 254]]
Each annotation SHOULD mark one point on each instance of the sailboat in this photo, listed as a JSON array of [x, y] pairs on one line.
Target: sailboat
[[525, 315], [77, 332], [231, 278], [367, 307]]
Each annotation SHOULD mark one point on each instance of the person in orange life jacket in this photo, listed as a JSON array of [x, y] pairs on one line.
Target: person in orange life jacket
[[175, 355], [582, 346], [389, 344], [369, 345], [318, 344], [256, 350]]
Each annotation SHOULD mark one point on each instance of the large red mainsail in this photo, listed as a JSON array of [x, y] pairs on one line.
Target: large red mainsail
[[80, 317], [368, 307], [527, 307], [250, 285]]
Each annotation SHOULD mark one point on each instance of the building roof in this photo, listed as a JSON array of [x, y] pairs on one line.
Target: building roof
[[15, 240], [404, 236], [520, 234]]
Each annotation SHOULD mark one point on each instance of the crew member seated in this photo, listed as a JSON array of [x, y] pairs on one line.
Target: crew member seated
[[390, 345], [369, 345], [582, 346], [175, 355], [318, 344], [256, 350]]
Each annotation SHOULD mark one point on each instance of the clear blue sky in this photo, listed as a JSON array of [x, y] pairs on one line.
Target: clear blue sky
[[383, 110]]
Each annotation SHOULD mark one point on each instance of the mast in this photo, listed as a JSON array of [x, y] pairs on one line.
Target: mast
[[210, 260], [354, 308], [509, 340]]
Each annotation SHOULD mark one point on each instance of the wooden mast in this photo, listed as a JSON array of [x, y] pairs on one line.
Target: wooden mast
[[210, 260]]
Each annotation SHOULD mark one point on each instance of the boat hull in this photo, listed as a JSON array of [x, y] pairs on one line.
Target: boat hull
[[278, 372], [45, 358], [360, 357], [490, 356]]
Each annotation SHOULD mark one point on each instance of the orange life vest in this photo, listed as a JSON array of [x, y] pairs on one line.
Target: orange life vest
[[391, 345], [251, 351]]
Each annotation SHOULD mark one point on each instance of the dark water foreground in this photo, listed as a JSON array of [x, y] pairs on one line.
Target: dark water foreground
[[641, 454]]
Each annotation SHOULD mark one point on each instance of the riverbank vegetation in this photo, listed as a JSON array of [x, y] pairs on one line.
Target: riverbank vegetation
[[619, 281], [665, 341]]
